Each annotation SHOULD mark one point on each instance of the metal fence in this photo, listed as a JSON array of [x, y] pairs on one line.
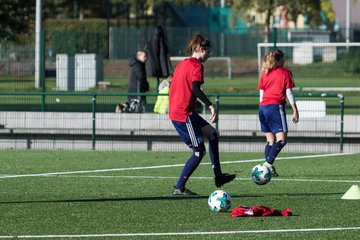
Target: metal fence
[[54, 116], [84, 121], [122, 43]]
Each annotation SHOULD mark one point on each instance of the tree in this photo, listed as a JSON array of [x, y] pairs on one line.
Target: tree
[[75, 8], [16, 16], [139, 9], [329, 14], [309, 8]]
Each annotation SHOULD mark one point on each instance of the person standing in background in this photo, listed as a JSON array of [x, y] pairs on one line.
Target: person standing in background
[[137, 83], [162, 101]]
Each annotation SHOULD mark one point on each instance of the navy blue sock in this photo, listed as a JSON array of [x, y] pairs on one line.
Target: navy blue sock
[[214, 154], [190, 166], [274, 151], [268, 147]]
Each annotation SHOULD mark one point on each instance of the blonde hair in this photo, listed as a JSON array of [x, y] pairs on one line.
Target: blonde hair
[[196, 43], [272, 60]]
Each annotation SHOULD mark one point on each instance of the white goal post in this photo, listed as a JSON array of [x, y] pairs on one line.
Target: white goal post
[[307, 50], [226, 59]]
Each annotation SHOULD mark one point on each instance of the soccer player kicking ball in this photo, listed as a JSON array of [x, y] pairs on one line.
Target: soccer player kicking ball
[[192, 128], [276, 83]]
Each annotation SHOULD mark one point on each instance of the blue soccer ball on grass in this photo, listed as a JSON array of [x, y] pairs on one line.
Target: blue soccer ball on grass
[[219, 201], [261, 174]]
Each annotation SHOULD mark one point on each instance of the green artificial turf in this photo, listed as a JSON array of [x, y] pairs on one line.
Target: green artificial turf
[[132, 194]]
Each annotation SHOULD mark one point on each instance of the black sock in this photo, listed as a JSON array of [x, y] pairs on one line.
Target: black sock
[[268, 147], [214, 154]]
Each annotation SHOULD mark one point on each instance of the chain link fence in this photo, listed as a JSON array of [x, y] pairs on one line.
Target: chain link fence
[[56, 117]]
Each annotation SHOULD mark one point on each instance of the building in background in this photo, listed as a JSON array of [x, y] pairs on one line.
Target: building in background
[[339, 7]]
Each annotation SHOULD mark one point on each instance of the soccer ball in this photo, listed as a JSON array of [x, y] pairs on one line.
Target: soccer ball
[[261, 174], [219, 201]]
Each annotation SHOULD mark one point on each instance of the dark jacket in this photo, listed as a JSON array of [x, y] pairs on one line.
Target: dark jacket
[[158, 63], [138, 81]]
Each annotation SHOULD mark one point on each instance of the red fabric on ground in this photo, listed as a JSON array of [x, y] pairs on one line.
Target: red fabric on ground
[[259, 211]]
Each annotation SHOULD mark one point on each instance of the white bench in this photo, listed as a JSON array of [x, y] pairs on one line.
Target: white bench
[[104, 85]]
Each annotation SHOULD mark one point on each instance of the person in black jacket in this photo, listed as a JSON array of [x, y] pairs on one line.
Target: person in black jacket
[[137, 84]]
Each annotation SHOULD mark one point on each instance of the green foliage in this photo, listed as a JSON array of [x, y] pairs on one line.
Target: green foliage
[[70, 24], [75, 9], [16, 16], [352, 62], [309, 8], [72, 36], [326, 5]]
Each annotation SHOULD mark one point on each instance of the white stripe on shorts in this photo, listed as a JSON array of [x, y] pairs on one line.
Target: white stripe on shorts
[[283, 118], [191, 132]]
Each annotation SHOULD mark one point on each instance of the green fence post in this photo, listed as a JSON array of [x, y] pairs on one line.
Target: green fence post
[[274, 36], [43, 89], [341, 122], [93, 135]]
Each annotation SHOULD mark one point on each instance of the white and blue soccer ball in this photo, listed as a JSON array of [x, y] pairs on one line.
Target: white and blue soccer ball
[[219, 201], [261, 174]]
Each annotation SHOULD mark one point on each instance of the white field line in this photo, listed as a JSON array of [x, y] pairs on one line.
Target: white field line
[[182, 233], [211, 178], [163, 166]]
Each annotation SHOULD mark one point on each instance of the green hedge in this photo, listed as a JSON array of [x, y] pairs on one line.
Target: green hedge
[[71, 36], [86, 25]]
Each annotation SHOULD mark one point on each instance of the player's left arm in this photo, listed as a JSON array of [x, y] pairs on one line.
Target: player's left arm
[[291, 98], [261, 94], [201, 95]]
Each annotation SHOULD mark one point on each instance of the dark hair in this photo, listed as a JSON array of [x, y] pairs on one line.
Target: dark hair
[[278, 55], [198, 41]]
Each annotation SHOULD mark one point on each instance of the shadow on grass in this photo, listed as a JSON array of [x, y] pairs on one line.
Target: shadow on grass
[[188, 198], [312, 194]]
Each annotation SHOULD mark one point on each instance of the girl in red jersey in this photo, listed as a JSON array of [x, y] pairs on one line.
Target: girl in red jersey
[[192, 128], [276, 83]]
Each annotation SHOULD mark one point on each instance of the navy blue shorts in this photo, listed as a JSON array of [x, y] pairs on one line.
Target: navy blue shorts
[[190, 131], [273, 118]]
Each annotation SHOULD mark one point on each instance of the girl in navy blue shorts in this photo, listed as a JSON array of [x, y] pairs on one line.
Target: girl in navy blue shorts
[[275, 85], [184, 91]]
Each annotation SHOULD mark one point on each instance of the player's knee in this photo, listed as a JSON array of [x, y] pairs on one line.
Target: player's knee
[[282, 142], [199, 151], [214, 137]]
